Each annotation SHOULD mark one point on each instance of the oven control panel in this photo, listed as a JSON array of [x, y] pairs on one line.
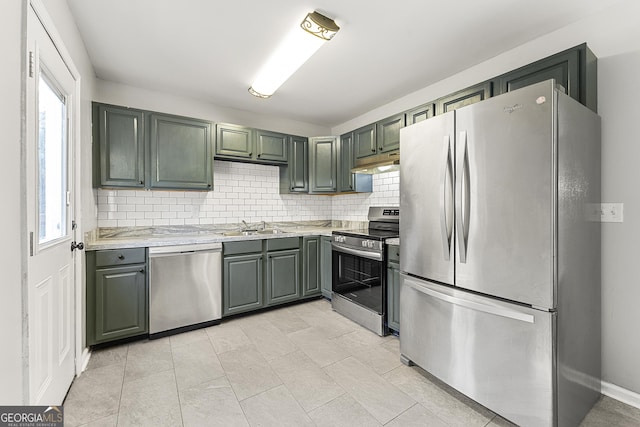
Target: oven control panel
[[371, 244], [340, 239]]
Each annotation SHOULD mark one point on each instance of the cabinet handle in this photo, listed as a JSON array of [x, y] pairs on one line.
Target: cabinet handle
[[251, 154], [120, 257], [142, 270], [259, 155], [141, 182], [380, 148]]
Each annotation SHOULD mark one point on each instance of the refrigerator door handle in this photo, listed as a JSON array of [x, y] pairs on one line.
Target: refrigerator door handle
[[445, 221], [463, 198], [473, 305]]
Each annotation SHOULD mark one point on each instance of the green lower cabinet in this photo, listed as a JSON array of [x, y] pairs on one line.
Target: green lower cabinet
[[311, 268], [116, 295], [121, 302], [283, 276], [393, 296], [393, 287], [326, 272], [242, 283]]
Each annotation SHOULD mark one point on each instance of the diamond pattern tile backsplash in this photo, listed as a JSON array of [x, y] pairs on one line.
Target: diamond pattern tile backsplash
[[242, 191]]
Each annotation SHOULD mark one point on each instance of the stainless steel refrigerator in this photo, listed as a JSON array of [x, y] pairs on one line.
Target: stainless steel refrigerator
[[500, 243]]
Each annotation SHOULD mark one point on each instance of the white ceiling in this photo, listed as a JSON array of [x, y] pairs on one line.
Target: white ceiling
[[211, 49]]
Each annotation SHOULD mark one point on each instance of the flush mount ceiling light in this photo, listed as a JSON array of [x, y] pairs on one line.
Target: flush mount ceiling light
[[294, 51]]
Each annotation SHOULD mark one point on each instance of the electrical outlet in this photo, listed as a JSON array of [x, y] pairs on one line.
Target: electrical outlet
[[611, 212]]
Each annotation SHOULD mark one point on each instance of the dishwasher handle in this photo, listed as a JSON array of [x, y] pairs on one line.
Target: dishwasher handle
[[159, 251]]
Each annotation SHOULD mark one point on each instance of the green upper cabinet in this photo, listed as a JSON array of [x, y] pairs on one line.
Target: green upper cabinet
[[420, 113], [234, 141], [245, 144], [575, 69], [120, 137], [180, 150], [388, 133], [323, 174], [294, 178], [465, 97], [143, 149], [347, 181], [345, 155], [271, 146], [364, 141]]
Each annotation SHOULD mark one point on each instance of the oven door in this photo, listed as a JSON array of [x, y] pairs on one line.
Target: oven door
[[359, 277]]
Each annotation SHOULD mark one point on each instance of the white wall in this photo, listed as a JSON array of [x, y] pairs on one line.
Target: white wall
[[14, 249], [119, 94], [613, 35], [11, 253]]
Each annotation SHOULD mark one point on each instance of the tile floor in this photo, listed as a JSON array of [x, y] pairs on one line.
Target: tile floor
[[301, 365]]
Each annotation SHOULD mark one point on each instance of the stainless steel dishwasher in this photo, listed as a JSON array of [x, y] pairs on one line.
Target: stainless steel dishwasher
[[185, 287]]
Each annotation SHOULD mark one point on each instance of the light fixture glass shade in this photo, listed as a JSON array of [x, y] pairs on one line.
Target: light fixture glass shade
[[294, 51]]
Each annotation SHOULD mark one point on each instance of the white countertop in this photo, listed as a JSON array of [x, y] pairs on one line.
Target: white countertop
[[137, 237]]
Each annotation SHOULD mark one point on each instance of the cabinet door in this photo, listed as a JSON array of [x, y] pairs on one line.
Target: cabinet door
[[345, 161], [419, 114], [563, 67], [272, 146], [242, 284], [465, 97], [393, 296], [283, 276], [326, 274], [120, 303], [388, 133], [364, 141], [311, 268], [180, 153], [298, 165], [234, 141], [323, 174], [120, 136]]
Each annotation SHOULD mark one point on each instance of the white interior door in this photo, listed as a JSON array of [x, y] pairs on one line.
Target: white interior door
[[49, 193]]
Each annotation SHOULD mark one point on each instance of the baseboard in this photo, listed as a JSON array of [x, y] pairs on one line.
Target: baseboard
[[621, 394]]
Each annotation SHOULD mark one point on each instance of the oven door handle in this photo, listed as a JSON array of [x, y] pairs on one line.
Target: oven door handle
[[357, 252]]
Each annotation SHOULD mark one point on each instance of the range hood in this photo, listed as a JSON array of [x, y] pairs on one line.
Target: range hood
[[379, 163]]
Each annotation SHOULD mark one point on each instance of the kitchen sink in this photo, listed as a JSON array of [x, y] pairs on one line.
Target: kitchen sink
[[271, 231], [240, 233], [253, 232]]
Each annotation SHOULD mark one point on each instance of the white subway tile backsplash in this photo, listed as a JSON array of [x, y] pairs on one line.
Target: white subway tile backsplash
[[242, 191]]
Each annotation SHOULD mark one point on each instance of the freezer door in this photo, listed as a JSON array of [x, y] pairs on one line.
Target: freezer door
[[505, 181], [426, 198], [497, 353]]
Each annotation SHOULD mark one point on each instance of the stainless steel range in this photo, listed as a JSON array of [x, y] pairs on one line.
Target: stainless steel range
[[359, 265]]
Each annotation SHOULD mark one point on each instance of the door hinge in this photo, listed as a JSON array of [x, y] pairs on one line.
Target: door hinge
[[31, 243], [31, 63], [74, 224]]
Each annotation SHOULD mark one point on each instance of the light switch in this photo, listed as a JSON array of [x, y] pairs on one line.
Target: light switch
[[611, 212]]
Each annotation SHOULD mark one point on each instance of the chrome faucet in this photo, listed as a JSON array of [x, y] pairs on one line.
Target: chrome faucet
[[264, 225], [245, 226]]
